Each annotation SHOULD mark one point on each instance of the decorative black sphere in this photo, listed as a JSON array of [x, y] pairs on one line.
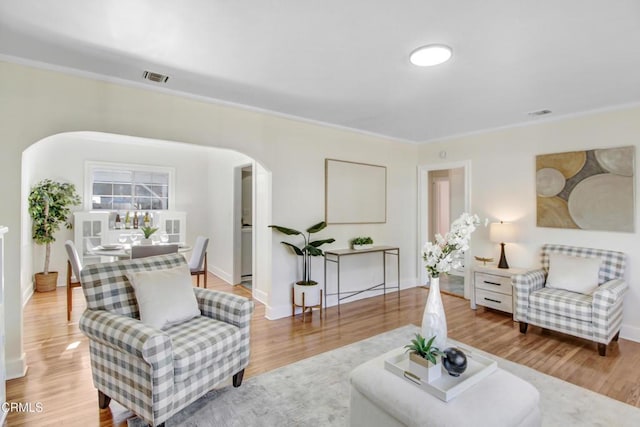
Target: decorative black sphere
[[454, 361]]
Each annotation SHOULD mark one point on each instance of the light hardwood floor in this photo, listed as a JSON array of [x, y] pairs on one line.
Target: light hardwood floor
[[59, 373]]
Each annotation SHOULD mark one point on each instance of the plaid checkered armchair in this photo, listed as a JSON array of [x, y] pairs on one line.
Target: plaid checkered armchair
[[156, 373], [596, 316]]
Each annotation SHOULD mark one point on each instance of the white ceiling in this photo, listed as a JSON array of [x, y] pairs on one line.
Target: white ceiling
[[345, 62]]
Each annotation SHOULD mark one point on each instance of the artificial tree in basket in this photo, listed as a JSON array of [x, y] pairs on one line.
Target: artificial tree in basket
[[49, 207]]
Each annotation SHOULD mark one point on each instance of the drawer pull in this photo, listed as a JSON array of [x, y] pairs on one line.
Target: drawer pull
[[492, 283], [493, 300]]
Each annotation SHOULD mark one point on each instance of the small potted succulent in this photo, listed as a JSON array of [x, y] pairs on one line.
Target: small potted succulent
[[424, 358], [148, 231], [359, 243]]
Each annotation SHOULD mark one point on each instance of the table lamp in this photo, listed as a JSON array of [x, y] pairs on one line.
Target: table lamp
[[501, 232]]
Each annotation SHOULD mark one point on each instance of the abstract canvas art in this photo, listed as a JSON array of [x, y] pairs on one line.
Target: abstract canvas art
[[589, 190]]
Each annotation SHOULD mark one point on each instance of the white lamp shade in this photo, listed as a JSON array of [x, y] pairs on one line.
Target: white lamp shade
[[502, 232]]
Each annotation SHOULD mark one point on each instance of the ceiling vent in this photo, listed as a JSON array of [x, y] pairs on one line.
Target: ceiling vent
[[540, 113], [155, 77]]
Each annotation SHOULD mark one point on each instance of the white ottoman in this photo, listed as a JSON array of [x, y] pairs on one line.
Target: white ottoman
[[380, 398]]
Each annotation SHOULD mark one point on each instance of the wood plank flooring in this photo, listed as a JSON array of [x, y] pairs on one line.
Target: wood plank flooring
[[59, 373]]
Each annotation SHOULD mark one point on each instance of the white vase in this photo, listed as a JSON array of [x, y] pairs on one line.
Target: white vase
[[434, 321], [146, 242]]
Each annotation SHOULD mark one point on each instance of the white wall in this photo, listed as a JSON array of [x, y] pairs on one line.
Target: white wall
[[39, 103], [503, 188], [261, 250], [220, 256], [298, 202], [456, 180]]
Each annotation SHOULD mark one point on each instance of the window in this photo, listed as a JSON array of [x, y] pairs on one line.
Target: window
[[119, 187]]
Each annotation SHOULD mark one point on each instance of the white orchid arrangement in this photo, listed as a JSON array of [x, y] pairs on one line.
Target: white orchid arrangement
[[441, 256]]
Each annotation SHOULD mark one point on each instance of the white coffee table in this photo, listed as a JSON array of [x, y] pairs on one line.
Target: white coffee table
[[380, 398]]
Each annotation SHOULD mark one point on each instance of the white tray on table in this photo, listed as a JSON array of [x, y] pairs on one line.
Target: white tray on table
[[446, 387]]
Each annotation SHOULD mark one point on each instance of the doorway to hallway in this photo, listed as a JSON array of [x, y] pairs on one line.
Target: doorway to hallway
[[443, 198]]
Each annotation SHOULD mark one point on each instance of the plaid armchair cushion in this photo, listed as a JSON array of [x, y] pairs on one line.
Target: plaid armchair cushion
[[201, 342], [562, 303]]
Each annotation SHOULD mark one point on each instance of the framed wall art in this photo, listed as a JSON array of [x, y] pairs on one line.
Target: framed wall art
[[589, 190]]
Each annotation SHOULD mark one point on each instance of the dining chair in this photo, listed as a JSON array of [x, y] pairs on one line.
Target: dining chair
[[198, 261], [74, 267], [143, 251]]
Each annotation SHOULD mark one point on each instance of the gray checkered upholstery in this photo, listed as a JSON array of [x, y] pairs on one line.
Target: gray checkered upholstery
[[156, 373], [596, 317]]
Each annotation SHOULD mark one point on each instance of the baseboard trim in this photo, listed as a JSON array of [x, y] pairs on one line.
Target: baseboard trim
[[260, 296], [26, 295], [16, 368], [274, 313], [631, 333], [221, 274]]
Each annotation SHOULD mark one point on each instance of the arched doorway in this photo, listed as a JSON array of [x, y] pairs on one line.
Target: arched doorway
[[204, 188]]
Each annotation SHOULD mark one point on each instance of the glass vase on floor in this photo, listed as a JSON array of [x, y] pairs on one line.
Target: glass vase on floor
[[434, 321]]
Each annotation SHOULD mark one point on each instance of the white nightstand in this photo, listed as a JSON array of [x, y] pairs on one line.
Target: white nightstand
[[492, 287]]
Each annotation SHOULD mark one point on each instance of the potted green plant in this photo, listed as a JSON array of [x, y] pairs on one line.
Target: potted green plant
[[306, 250], [424, 358], [148, 231], [49, 207], [359, 243]]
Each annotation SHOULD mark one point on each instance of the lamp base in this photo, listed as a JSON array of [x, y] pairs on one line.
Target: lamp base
[[503, 259]]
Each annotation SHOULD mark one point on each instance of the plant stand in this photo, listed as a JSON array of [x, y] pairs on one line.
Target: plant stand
[[304, 307]]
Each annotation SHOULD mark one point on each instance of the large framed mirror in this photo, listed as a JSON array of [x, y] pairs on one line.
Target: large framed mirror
[[355, 193]]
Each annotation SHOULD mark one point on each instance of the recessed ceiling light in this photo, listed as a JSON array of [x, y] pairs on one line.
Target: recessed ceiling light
[[429, 55]]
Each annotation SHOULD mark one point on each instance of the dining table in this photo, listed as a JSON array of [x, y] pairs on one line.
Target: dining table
[[123, 251]]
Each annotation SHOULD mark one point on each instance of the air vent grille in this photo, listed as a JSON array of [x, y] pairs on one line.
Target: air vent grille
[[155, 77], [540, 113]]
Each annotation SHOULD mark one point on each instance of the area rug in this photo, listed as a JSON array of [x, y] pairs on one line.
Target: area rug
[[315, 392]]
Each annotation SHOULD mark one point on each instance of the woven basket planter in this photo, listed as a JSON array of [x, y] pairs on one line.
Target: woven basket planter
[[46, 282]]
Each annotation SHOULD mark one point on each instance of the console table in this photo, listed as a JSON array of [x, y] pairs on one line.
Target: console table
[[334, 256]]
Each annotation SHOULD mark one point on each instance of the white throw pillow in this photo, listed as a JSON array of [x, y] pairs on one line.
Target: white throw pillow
[[571, 273], [165, 297]]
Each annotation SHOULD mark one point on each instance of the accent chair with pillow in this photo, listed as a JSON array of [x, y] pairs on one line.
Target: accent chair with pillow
[[156, 343], [578, 291]]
